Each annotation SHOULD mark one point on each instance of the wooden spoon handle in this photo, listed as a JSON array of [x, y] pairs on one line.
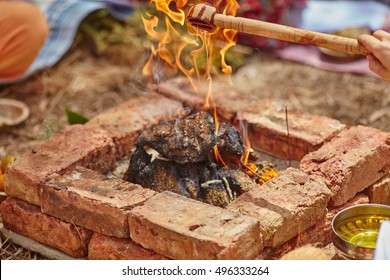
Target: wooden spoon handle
[[291, 34]]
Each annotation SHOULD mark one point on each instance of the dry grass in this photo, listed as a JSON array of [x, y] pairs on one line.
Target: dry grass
[[11, 251]]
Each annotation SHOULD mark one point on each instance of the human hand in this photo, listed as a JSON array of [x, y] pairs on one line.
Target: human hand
[[379, 45]]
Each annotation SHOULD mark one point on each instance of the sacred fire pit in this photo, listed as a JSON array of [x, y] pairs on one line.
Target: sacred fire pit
[[68, 202], [193, 160]]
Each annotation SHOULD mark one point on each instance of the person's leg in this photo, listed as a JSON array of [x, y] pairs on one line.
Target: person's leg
[[23, 30]]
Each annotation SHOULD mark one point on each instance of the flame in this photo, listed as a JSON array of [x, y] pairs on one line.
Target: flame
[[192, 51], [268, 175], [262, 175], [183, 46], [250, 168], [186, 48], [243, 126]]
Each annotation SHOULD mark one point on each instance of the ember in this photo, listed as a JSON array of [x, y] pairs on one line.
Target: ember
[[179, 156]]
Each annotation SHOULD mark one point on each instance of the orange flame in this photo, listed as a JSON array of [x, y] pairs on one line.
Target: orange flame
[[186, 48], [192, 51], [251, 168], [244, 132], [183, 46]]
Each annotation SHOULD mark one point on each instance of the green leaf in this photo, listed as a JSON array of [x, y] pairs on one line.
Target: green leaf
[[75, 118]]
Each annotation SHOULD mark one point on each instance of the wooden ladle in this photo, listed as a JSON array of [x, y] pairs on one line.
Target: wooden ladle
[[206, 17]]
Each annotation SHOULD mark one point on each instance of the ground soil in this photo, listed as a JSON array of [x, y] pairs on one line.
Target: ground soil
[[89, 84]]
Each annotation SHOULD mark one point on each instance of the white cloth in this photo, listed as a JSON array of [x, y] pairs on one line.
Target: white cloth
[[382, 250], [330, 16]]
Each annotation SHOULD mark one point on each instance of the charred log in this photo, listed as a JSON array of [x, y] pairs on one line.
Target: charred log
[[182, 140], [215, 193], [158, 175], [185, 163], [139, 159], [229, 141]]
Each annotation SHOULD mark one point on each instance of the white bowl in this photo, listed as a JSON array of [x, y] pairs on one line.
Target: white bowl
[[12, 112]]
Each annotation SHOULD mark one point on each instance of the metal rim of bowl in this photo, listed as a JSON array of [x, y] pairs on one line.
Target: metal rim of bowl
[[345, 248]]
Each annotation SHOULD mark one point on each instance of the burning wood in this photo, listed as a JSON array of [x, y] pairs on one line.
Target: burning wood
[[179, 156], [183, 141]]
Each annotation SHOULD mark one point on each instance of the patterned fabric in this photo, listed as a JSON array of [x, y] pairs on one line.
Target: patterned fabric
[[287, 12], [64, 18]]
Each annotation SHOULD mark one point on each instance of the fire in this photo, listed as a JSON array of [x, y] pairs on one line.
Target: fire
[[262, 175], [183, 46], [196, 53]]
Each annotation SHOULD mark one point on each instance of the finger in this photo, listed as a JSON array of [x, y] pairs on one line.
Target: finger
[[377, 67], [374, 46], [370, 42], [381, 35]]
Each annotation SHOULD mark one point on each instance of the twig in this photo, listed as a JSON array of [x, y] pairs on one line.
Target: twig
[[288, 138], [227, 188], [78, 233], [253, 171]]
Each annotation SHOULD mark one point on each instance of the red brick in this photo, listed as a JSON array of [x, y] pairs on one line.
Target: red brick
[[267, 130], [181, 228], [320, 234], [28, 220], [91, 200], [125, 122], [103, 247], [350, 162], [379, 192], [285, 206], [77, 145]]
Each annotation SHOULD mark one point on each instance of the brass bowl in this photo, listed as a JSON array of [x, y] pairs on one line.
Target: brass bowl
[[337, 56], [12, 112], [342, 57], [355, 230]]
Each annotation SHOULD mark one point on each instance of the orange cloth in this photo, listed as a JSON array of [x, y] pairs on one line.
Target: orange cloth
[[23, 30]]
